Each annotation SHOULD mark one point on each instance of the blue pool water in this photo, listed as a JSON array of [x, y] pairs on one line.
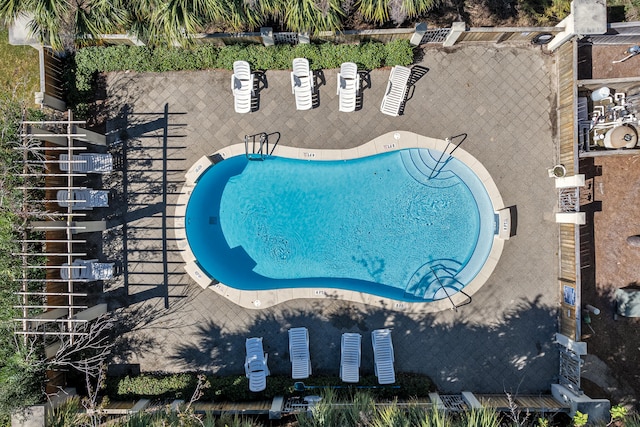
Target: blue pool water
[[376, 224]]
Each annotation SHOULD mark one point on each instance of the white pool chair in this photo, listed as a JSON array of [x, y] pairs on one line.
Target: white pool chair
[[350, 358], [87, 270], [348, 86], [302, 84], [383, 356], [299, 353], [83, 199], [86, 163], [396, 90], [242, 86], [255, 365]]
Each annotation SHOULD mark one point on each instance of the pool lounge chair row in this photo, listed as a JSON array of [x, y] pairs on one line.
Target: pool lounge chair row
[[302, 87], [84, 198], [350, 354]]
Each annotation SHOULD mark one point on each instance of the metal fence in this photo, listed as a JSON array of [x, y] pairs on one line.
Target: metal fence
[[570, 364], [285, 38], [436, 35], [417, 36]]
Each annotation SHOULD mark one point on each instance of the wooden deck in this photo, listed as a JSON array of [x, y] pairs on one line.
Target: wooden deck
[[568, 274], [541, 403], [261, 407]]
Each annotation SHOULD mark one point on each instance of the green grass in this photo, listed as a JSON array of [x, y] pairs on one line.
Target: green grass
[[19, 75], [19, 79]]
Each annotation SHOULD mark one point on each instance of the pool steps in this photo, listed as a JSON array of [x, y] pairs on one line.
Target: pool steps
[[427, 280], [419, 165]]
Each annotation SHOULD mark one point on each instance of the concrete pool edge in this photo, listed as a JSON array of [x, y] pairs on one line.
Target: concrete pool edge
[[392, 141]]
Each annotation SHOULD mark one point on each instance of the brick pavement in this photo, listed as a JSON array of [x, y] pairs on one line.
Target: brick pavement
[[503, 97]]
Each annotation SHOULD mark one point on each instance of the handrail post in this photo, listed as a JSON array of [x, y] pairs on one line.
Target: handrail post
[[448, 140], [455, 307]]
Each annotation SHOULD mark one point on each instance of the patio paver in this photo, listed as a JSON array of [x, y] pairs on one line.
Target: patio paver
[[503, 97]]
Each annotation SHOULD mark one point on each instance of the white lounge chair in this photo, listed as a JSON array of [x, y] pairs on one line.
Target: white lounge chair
[[350, 358], [302, 84], [87, 270], [299, 353], [396, 90], [255, 365], [348, 86], [242, 86], [383, 356], [83, 199], [87, 163]]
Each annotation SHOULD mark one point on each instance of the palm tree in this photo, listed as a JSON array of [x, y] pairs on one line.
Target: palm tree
[[312, 15], [94, 17], [47, 17], [379, 11], [176, 20], [138, 17], [374, 10], [250, 14]]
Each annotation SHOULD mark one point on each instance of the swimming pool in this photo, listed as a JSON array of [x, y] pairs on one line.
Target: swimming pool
[[384, 224]]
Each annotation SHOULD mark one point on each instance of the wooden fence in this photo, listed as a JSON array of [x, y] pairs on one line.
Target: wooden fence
[[569, 245], [265, 36], [504, 34]]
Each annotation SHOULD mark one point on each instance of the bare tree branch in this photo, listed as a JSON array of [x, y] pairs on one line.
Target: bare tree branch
[[86, 353]]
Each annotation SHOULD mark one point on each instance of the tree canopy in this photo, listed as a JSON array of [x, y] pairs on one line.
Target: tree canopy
[[63, 24]]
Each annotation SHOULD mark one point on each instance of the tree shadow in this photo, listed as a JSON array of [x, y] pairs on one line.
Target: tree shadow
[[515, 354]]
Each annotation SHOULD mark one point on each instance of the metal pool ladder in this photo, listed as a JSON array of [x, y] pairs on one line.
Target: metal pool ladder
[[256, 146]]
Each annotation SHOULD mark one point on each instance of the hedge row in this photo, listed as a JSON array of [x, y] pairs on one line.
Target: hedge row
[[236, 388], [368, 56]]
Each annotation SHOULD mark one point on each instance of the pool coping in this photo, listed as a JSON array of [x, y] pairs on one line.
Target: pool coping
[[391, 141]]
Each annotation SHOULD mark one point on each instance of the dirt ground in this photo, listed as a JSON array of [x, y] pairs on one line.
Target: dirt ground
[[612, 368]]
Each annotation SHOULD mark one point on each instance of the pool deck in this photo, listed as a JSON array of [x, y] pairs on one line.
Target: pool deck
[[503, 97]]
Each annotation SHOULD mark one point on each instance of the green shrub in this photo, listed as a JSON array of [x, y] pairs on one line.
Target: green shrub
[[21, 374], [176, 386], [398, 52], [370, 56], [82, 69], [236, 388], [21, 377], [309, 51], [176, 59], [228, 54]]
